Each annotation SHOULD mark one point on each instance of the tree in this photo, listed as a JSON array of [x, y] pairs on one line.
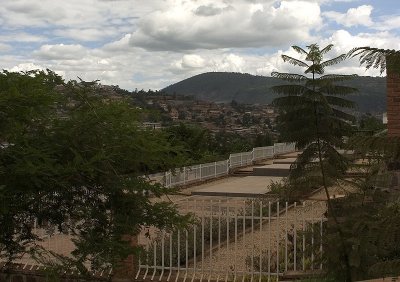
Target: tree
[[312, 114], [384, 59], [195, 142], [370, 123], [73, 160], [375, 57]]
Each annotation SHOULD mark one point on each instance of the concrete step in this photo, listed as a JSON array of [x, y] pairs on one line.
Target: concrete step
[[279, 170]]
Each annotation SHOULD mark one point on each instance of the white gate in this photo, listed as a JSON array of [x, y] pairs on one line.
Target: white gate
[[234, 239]]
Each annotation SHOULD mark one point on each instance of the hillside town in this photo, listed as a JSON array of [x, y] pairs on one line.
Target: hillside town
[[234, 117]]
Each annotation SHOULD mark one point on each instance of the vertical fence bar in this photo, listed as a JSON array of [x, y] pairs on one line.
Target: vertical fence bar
[[312, 235], [261, 238], [236, 235], [252, 239], [179, 255], [139, 268], [277, 238], [147, 262], [186, 245], [295, 240], [194, 245], [170, 255], [202, 239], [154, 260], [219, 234], [211, 238], [162, 255], [304, 238], [286, 236], [320, 247], [227, 236], [244, 233], [269, 241], [187, 254]]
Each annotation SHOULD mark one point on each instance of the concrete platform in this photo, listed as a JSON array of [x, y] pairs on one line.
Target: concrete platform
[[277, 170], [288, 155], [249, 186], [285, 161]]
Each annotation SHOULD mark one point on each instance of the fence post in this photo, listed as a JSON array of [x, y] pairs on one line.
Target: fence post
[[215, 169], [184, 175], [201, 177], [252, 156]]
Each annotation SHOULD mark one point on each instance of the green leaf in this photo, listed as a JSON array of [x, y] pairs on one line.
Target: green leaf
[[294, 61]]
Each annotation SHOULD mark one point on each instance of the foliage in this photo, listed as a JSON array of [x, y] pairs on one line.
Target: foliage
[[376, 57], [72, 160], [263, 140], [201, 145], [302, 248], [370, 224], [370, 216], [370, 123], [313, 114]]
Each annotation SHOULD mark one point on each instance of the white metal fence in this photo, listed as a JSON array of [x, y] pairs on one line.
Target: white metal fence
[[237, 239], [195, 173]]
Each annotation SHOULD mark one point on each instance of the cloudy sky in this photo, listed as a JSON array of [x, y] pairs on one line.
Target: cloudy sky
[[154, 43]]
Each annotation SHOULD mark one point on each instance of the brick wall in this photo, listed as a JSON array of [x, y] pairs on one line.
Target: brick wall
[[393, 96]]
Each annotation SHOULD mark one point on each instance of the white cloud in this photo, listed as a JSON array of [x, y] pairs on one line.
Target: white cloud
[[238, 25], [231, 63], [86, 34], [189, 61], [153, 43], [353, 17], [21, 37], [61, 52], [5, 47], [71, 13], [345, 41], [388, 23], [26, 67]]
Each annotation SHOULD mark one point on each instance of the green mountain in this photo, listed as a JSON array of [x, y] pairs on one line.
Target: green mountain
[[251, 89]]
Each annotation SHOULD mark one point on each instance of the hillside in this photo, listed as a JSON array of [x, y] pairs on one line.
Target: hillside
[[246, 88]]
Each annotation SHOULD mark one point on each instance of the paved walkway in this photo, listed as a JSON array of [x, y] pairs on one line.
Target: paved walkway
[[248, 186]]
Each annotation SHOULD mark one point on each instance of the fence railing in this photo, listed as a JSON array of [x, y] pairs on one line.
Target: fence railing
[[237, 239], [197, 173]]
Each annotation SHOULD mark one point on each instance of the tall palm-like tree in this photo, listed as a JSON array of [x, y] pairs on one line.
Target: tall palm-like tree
[[313, 114]]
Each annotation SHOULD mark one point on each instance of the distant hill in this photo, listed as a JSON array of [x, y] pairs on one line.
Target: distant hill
[[251, 89]]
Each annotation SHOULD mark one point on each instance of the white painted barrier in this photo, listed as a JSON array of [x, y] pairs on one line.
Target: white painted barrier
[[236, 240], [196, 173]]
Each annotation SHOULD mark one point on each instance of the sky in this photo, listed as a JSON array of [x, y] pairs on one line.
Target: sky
[[150, 44]]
